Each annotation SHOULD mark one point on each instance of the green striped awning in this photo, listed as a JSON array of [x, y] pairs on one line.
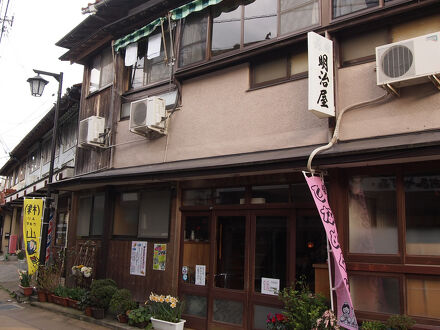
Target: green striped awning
[[191, 7], [138, 34]]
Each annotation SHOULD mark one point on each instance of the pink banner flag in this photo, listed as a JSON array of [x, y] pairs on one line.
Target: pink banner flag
[[345, 311]]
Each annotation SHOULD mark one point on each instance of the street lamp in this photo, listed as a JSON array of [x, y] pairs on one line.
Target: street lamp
[[37, 86]]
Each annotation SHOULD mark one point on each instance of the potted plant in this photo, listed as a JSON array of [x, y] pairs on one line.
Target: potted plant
[[60, 296], [25, 282], [373, 325], [85, 303], [165, 312], [139, 317], [276, 322], [400, 322], [327, 321], [100, 297], [120, 303], [21, 260], [74, 295]]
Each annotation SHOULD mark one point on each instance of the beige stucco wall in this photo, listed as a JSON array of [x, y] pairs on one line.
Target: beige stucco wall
[[219, 116], [417, 109]]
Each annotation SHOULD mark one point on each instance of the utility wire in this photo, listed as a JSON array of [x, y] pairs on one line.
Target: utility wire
[[4, 20]]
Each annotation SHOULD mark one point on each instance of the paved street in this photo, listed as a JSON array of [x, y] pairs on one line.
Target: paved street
[[23, 316]]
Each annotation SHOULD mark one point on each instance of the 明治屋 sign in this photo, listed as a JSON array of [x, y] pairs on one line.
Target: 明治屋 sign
[[321, 90]]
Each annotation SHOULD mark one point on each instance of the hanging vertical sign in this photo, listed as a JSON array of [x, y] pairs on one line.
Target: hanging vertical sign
[[345, 311], [50, 233], [32, 218], [321, 91]]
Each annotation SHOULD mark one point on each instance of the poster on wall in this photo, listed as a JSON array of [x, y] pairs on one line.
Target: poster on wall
[[32, 218], [138, 262], [159, 256], [270, 286], [200, 274]]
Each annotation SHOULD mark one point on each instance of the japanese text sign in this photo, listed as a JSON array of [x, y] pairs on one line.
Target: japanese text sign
[[159, 256], [32, 218], [345, 311], [321, 91]]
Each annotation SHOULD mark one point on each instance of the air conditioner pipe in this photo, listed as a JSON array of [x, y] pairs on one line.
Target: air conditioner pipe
[[335, 137]]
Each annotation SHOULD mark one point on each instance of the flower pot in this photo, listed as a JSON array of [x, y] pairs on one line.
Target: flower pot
[[98, 313], [122, 318], [42, 296], [88, 311], [60, 301], [50, 297], [27, 291], [164, 325], [72, 303]]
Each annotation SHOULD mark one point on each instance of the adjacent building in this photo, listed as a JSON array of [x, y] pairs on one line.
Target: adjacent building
[[194, 129]]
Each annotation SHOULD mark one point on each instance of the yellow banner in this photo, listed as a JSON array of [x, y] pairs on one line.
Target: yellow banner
[[32, 218]]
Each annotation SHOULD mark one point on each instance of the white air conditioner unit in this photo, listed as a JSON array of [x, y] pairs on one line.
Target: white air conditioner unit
[[91, 132], [148, 117], [409, 62]]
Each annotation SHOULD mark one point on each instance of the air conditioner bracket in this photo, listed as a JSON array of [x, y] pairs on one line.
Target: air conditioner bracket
[[435, 80], [391, 89]]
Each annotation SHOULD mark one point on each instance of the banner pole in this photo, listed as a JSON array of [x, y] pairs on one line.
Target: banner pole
[[330, 276]]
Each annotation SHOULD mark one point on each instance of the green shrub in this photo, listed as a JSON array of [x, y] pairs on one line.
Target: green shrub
[[121, 302], [61, 291], [373, 325], [139, 315], [302, 307], [400, 322], [100, 296], [104, 282], [85, 300], [75, 293]]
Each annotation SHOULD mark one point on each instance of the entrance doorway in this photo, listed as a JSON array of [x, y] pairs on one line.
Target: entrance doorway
[[232, 261]]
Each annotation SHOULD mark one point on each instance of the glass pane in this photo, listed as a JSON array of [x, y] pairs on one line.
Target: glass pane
[[228, 311], [372, 215], [98, 214], [423, 296], [311, 250], [156, 69], [422, 200], [137, 70], [270, 70], [197, 229], [95, 74], [125, 110], [260, 315], [375, 294], [195, 305], [301, 193], [193, 43], [226, 28], [60, 238], [154, 216], [363, 44], [197, 197], [230, 195], [230, 252], [270, 194], [299, 63], [270, 250], [106, 68], [344, 7], [84, 209], [298, 15], [126, 216], [260, 21]]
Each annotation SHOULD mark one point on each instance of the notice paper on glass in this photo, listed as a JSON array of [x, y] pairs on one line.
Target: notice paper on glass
[[154, 43], [200, 274], [138, 262], [270, 286], [131, 54]]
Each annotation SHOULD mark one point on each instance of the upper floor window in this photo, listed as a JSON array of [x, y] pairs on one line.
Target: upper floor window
[[101, 73], [236, 25], [68, 135], [345, 7], [34, 161]]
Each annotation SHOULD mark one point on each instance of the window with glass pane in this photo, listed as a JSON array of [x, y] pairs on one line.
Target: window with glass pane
[[230, 195], [270, 250], [301, 193], [363, 45], [230, 252], [101, 73], [423, 295], [270, 194], [196, 248], [226, 28], [126, 216], [84, 210], [197, 197], [375, 294], [195, 305], [270, 70], [345, 7], [298, 15], [299, 63], [98, 214], [60, 233], [34, 161], [155, 210], [372, 215], [228, 311], [193, 42], [422, 200], [260, 21]]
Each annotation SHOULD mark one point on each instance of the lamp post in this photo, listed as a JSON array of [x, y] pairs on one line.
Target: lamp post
[[37, 85]]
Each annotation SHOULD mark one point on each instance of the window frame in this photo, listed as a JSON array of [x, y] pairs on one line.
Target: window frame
[[91, 220], [118, 194], [91, 67]]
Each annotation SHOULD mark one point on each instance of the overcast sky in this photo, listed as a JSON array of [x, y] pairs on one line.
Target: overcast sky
[[30, 44]]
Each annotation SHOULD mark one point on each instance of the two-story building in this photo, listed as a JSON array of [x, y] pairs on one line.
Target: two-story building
[[27, 171], [212, 167]]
